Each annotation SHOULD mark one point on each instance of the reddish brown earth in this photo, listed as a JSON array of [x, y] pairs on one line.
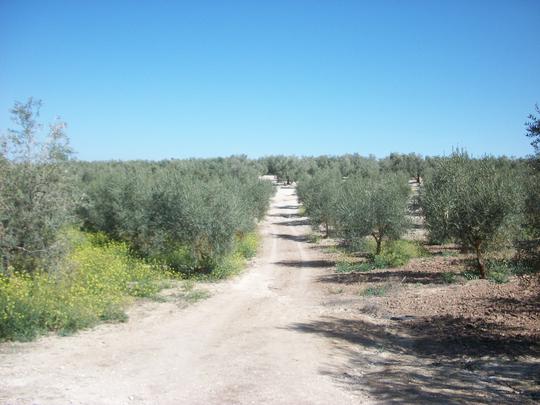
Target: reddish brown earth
[[465, 342]]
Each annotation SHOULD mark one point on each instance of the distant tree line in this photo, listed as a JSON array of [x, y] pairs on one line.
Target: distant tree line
[[190, 213], [187, 214], [480, 203]]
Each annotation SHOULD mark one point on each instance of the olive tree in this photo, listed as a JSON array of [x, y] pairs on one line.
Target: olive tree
[[35, 193], [374, 206], [533, 130], [473, 202], [319, 195]]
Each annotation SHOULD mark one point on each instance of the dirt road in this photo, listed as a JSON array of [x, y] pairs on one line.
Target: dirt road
[[237, 347]]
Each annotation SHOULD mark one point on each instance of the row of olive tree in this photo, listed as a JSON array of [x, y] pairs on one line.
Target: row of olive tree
[[186, 213], [480, 204], [358, 206]]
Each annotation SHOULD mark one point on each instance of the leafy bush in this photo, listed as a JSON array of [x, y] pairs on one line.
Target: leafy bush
[[248, 244], [398, 253]]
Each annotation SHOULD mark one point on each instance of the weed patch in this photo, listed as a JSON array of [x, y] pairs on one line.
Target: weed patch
[[449, 277], [93, 284], [375, 291]]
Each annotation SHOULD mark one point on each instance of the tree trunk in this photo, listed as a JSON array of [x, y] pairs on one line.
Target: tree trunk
[[479, 261], [379, 242], [5, 266], [327, 230]]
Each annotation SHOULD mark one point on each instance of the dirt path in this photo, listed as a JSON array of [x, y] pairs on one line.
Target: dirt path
[[237, 347]]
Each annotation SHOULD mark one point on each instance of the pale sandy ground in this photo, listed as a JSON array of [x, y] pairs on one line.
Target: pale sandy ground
[[237, 347]]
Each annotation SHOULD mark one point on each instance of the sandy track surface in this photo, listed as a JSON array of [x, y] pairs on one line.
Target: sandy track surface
[[238, 347]]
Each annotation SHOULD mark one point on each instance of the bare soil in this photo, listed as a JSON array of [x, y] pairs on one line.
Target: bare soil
[[292, 331], [433, 342]]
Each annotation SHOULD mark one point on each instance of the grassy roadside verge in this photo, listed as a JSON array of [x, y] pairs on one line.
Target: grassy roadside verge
[[96, 283]]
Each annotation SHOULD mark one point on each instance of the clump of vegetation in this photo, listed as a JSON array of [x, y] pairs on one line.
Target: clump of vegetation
[[36, 191], [500, 270], [189, 294], [374, 207], [449, 277], [319, 195], [473, 202], [375, 291], [189, 216], [94, 283], [393, 254]]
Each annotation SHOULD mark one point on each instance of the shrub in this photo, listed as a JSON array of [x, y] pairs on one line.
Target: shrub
[[248, 244]]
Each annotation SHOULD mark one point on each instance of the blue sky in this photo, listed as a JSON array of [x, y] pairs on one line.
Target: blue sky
[[162, 79]]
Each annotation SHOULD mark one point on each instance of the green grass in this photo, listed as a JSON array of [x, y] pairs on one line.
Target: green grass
[[448, 277], [189, 294], [376, 291], [350, 267], [394, 254]]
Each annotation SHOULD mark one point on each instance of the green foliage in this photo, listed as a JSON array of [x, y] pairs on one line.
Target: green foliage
[[36, 194], [313, 237], [500, 270], [449, 277], [374, 207], [93, 284], [474, 202], [350, 267], [248, 244], [533, 130], [376, 291], [319, 195], [186, 214], [398, 253], [532, 203], [412, 164], [393, 254], [189, 294], [234, 262]]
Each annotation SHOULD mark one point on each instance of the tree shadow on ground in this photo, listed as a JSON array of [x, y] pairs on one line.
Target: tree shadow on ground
[[379, 276], [440, 359], [288, 207], [297, 222], [285, 215], [296, 238], [306, 263]]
